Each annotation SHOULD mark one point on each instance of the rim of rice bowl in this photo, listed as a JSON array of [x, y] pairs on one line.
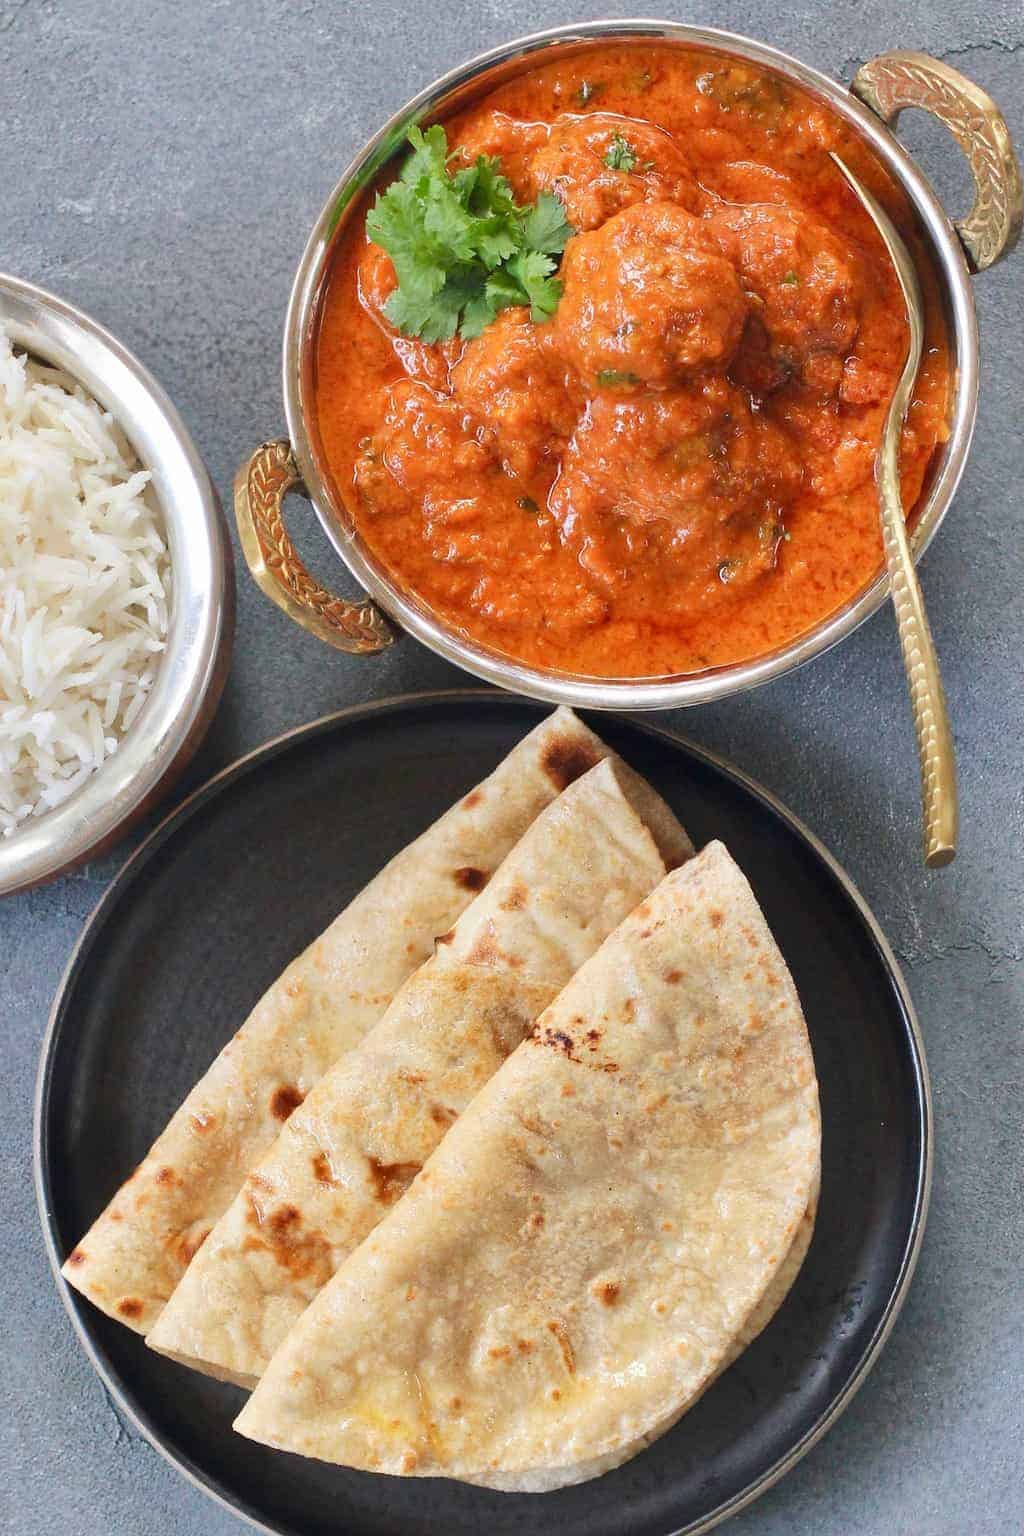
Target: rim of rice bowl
[[116, 590]]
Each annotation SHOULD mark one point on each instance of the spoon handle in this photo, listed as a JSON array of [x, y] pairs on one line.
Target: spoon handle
[[927, 696]]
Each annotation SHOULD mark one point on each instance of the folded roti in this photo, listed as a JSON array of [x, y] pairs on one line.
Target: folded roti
[[136, 1252], [594, 1234], [368, 1126]]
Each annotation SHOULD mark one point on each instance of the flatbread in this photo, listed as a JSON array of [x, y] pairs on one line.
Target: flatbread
[[136, 1252], [779, 1288], [365, 1130], [573, 1264]]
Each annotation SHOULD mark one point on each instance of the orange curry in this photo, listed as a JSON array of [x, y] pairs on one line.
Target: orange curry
[[675, 471]]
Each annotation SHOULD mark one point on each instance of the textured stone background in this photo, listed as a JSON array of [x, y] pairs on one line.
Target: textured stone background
[[161, 166]]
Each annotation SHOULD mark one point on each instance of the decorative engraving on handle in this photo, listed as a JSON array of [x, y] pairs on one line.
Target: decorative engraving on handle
[[277, 569], [904, 79]]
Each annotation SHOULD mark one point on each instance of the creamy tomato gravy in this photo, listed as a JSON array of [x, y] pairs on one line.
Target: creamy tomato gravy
[[675, 472]]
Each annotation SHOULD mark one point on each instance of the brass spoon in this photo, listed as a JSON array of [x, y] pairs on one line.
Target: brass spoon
[[927, 698]]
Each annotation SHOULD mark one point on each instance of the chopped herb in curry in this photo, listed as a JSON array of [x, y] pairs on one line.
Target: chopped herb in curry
[[620, 154], [615, 378]]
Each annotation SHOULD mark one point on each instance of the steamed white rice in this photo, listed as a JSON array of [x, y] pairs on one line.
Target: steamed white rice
[[84, 587]]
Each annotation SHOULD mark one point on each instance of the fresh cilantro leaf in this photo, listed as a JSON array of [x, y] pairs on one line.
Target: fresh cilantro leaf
[[429, 155], [791, 280], [397, 224], [497, 240], [504, 289], [612, 378], [545, 227], [478, 313], [486, 190], [410, 312], [439, 320], [620, 155], [461, 246], [532, 271]]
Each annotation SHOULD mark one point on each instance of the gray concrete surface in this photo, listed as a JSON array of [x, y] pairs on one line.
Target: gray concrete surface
[[160, 165]]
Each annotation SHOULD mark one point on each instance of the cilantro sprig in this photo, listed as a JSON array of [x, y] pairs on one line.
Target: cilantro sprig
[[461, 246]]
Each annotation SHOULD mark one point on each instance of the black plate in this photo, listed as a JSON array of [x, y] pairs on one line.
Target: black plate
[[245, 874]]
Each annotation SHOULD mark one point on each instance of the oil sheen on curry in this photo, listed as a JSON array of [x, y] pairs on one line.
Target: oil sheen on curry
[[673, 470]]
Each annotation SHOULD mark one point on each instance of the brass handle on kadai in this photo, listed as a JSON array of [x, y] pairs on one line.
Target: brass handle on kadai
[[263, 481]]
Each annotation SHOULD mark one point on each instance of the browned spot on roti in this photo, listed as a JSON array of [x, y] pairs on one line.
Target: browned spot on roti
[[410, 1461], [716, 918], [202, 1122], [166, 1176], [130, 1307], [303, 1254], [755, 1023], [441, 1115], [607, 1292], [673, 977], [629, 1007], [555, 1395], [499, 1351], [560, 1041], [322, 1170], [294, 988], [391, 1180], [643, 911], [487, 951], [455, 1403], [525, 1346], [285, 1100], [593, 1036], [484, 951], [469, 878], [565, 760], [535, 1220], [557, 1327], [567, 1091], [185, 1247], [473, 799], [77, 1256], [445, 938], [411, 1077], [771, 976], [516, 898], [115, 1215]]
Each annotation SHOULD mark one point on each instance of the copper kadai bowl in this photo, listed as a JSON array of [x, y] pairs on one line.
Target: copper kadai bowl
[[879, 92]]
